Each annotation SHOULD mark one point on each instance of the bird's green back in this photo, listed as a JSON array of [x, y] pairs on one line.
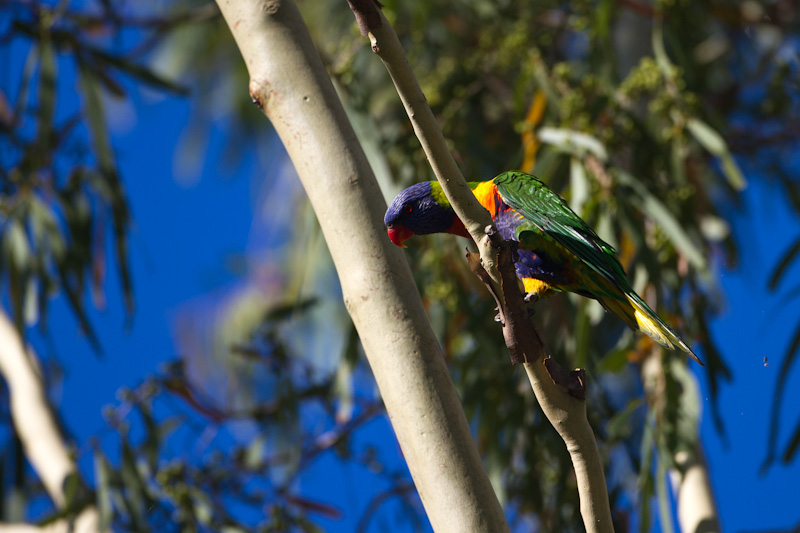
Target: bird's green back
[[548, 213]]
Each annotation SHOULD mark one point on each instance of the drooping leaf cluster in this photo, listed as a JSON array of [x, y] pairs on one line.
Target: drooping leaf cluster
[[61, 192], [60, 186]]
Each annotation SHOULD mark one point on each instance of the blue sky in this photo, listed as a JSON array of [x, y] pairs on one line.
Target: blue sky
[[183, 235], [186, 231], [753, 326]]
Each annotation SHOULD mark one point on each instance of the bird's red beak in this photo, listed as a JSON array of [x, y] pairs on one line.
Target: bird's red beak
[[398, 234]]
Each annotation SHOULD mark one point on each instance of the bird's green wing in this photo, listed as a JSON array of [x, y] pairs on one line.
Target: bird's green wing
[[550, 214]]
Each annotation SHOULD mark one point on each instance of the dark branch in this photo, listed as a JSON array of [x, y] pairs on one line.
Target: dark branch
[[400, 489], [522, 339], [367, 16]]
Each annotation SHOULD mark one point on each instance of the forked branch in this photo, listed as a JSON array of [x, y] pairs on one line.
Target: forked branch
[[560, 393]]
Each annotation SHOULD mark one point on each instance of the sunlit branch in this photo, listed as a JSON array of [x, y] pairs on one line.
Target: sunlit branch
[[560, 394], [289, 83], [387, 46], [36, 426], [566, 413]]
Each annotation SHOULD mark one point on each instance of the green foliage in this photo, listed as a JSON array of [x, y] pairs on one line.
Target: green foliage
[[643, 122], [60, 186], [640, 138]]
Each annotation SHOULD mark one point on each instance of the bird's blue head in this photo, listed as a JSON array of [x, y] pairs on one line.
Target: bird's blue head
[[419, 210]]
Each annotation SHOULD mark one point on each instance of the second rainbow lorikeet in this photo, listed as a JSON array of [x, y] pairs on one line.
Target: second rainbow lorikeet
[[557, 251]]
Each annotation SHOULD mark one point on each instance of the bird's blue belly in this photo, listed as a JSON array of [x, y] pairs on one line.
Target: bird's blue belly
[[531, 263]]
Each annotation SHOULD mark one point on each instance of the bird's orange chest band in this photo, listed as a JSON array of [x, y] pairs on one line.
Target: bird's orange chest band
[[486, 193]]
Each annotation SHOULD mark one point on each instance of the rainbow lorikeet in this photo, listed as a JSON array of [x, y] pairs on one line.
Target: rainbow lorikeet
[[557, 251]]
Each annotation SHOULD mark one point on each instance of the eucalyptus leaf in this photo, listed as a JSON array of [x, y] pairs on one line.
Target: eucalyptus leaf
[[678, 152], [715, 144], [578, 185], [201, 504], [783, 264], [96, 118], [789, 358], [655, 208], [47, 86], [140, 72], [662, 59], [662, 494], [30, 308], [646, 482], [16, 250], [24, 84], [255, 452], [707, 136], [614, 361], [343, 388], [72, 488], [109, 184], [793, 445], [103, 490], [75, 300], [45, 229], [152, 440], [135, 499], [573, 142]]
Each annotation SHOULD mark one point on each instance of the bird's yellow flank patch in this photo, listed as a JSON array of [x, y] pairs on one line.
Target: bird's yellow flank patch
[[537, 286]]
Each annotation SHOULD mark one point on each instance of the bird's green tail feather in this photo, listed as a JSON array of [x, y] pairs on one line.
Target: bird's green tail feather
[[638, 316]]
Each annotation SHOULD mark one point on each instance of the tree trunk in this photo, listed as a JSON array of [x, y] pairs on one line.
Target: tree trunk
[[691, 486], [288, 81]]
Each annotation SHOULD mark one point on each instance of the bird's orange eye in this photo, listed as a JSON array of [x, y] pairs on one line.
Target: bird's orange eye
[[408, 208]]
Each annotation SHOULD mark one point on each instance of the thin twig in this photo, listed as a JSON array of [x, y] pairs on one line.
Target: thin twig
[[387, 46], [401, 489]]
